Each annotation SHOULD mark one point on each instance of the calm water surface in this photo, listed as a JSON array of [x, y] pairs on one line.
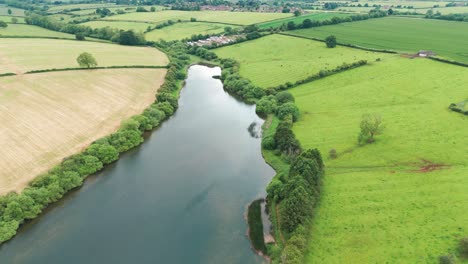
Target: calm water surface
[[179, 198]]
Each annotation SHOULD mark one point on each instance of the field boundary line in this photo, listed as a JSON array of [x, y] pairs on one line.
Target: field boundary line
[[99, 68], [342, 44]]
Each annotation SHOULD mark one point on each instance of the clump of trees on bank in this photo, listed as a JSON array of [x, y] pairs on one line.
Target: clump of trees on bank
[[48, 188]]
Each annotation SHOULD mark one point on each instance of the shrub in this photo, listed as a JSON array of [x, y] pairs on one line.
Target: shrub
[[79, 36], [166, 107], [265, 106], [288, 109], [333, 154], [284, 97], [330, 41], [447, 259], [463, 247], [105, 153], [269, 143]]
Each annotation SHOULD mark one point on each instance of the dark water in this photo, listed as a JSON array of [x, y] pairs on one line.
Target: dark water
[[179, 198]]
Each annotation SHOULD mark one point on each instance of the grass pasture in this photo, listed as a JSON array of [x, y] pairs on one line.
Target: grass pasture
[[235, 18], [448, 39], [277, 59], [383, 202], [22, 30], [14, 11], [298, 20], [136, 26], [18, 56], [48, 116], [184, 30], [7, 19]]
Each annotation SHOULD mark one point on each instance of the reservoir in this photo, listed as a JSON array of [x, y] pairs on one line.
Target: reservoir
[[178, 198]]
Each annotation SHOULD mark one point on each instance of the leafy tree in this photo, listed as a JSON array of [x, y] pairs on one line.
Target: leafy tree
[[79, 36], [141, 9], [297, 13], [284, 97], [86, 60], [3, 24], [14, 20], [285, 140], [291, 25], [288, 109], [9, 11], [192, 19], [330, 41], [307, 23], [266, 105], [104, 152], [390, 11], [371, 125], [153, 9], [297, 207]]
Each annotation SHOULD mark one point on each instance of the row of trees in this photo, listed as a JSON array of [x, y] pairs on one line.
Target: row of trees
[[308, 23], [122, 37], [454, 17], [50, 187]]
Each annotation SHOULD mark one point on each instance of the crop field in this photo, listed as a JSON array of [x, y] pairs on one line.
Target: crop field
[[48, 116], [414, 4], [184, 30], [17, 55], [447, 39], [14, 11], [299, 19], [400, 199], [235, 18], [59, 8], [277, 59], [21, 30], [8, 19], [126, 9], [136, 26]]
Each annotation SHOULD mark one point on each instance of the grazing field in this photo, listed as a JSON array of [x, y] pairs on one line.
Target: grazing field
[[277, 59], [298, 20], [184, 30], [446, 38], [136, 26], [402, 198], [21, 30], [18, 56], [14, 11], [59, 8], [235, 18], [126, 9], [8, 19], [48, 116]]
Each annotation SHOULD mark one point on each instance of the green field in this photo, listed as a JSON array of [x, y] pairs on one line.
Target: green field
[[15, 30], [298, 20], [381, 203], [136, 26], [126, 9], [184, 30], [14, 11], [59, 8], [236, 18], [8, 19], [447, 38], [20, 55], [277, 59]]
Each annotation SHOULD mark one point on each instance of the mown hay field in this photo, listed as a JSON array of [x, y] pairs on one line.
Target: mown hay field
[[184, 30], [402, 198], [298, 20], [235, 18], [22, 30], [48, 116], [21, 55], [446, 38], [136, 26], [277, 59]]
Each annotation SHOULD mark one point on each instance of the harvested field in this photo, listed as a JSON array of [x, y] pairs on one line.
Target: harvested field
[[46, 117], [20, 55], [236, 18]]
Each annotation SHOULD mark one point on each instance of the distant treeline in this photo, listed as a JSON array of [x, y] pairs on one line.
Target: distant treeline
[[122, 37], [308, 23], [48, 188], [452, 17]]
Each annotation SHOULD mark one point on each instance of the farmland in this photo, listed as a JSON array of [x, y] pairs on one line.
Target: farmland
[[447, 39], [14, 11], [49, 116], [21, 30], [17, 56], [269, 61], [235, 18], [184, 30], [136, 26], [299, 19], [382, 203], [7, 19]]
